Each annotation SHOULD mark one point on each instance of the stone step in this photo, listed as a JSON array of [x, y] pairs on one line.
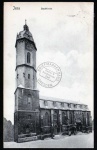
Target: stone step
[[26, 139]]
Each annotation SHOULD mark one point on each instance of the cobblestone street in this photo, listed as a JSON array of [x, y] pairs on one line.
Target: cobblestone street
[[81, 140]]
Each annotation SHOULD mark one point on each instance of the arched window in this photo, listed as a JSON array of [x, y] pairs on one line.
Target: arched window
[[28, 57], [29, 99], [64, 118], [47, 119], [70, 118]]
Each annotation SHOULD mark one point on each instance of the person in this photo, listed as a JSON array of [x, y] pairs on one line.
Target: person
[[74, 128], [52, 131]]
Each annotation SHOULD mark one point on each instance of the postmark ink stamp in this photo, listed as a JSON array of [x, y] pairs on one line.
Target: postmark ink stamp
[[48, 74]]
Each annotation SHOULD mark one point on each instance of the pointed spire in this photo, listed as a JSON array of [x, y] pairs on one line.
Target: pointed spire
[[25, 22], [25, 26]]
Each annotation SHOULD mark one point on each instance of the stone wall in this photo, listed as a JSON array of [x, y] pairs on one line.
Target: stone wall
[[26, 114], [26, 99], [20, 52]]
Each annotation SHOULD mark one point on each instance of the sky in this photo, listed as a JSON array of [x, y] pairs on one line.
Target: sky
[[63, 34]]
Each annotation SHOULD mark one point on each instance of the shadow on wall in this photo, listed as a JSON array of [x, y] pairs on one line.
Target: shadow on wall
[[8, 131]]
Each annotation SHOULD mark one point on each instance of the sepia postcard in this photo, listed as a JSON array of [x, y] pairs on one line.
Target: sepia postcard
[[48, 75]]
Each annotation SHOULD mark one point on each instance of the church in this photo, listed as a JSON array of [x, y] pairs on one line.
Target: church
[[34, 114]]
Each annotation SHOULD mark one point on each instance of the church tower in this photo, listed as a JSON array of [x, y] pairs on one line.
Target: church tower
[[26, 115]]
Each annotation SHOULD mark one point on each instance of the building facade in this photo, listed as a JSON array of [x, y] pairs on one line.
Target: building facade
[[34, 114]]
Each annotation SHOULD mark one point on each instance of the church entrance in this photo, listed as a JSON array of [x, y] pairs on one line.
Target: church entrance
[[56, 122]]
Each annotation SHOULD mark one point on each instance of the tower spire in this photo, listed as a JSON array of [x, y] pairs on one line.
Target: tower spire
[[25, 22], [25, 26]]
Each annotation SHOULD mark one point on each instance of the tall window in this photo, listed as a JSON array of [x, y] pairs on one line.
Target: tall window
[[28, 57], [29, 99], [28, 76], [71, 117], [64, 118], [47, 119]]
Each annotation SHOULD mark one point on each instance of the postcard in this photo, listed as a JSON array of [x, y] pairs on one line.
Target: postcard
[[48, 75]]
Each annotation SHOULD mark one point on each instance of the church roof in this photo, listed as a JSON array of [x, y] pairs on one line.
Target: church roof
[[58, 99], [48, 103], [25, 33]]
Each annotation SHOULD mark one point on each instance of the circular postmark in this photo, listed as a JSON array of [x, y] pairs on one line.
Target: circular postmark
[[48, 74]]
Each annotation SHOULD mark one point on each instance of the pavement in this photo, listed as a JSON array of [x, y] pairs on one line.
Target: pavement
[[81, 140]]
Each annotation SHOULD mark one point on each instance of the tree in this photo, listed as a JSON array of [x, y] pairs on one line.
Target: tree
[[8, 131]]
